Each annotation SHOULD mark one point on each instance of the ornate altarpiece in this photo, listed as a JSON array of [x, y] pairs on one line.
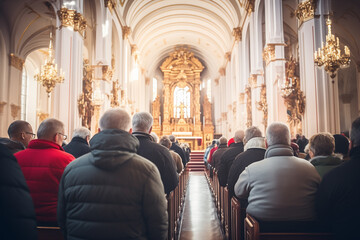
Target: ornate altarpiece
[[182, 73]]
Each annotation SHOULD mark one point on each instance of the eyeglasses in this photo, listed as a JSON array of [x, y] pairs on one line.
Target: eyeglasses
[[64, 136], [32, 134]]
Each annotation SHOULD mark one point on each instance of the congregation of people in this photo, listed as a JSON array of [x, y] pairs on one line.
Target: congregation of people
[[115, 182]]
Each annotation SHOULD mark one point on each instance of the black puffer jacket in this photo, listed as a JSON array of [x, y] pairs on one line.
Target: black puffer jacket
[[13, 146], [17, 214], [112, 193], [77, 147]]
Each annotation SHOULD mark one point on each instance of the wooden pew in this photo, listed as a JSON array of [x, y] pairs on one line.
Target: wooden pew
[[227, 213], [238, 214], [171, 215], [253, 231], [46, 233]]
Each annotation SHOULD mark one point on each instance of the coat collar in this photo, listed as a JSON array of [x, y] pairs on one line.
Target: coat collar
[[256, 142], [43, 144], [278, 150]]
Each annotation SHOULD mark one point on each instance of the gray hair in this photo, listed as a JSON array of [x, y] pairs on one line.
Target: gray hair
[[252, 132], [49, 128], [142, 122], [82, 132], [222, 140], [172, 138], [165, 141], [155, 136], [115, 118], [239, 136], [277, 133]]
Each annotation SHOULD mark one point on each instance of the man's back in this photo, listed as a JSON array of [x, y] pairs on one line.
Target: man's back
[[161, 157], [43, 163], [226, 161], [179, 151], [77, 147], [281, 187], [112, 193]]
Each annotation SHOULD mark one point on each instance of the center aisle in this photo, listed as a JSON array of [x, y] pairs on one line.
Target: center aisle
[[200, 219]]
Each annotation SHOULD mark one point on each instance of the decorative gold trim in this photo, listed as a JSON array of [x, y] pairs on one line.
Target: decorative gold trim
[[122, 2], [250, 6], [14, 110], [125, 32], [16, 62], [110, 4], [222, 71], [228, 56], [216, 80], [73, 19], [242, 98], [2, 105], [269, 53], [248, 106], [115, 94], [305, 11], [42, 116], [253, 81], [262, 104], [237, 33]]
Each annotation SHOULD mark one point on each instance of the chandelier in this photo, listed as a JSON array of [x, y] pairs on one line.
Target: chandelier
[[330, 55], [48, 75]]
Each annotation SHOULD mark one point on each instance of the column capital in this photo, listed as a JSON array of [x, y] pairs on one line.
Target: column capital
[[237, 33], [125, 32], [305, 11], [16, 61], [72, 18], [110, 4]]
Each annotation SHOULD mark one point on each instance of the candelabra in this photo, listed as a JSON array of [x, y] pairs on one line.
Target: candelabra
[[330, 55], [48, 75]]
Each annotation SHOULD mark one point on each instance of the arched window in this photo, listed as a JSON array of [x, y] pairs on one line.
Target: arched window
[[182, 102]]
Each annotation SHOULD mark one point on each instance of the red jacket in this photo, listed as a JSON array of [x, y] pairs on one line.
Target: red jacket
[[43, 164], [211, 154]]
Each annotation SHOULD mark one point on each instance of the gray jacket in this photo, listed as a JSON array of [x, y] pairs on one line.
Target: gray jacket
[[112, 193], [279, 188]]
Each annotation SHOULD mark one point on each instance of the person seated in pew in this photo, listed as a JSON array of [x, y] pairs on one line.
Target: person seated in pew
[[321, 151], [219, 152], [20, 134], [254, 150], [112, 192], [165, 141], [338, 197], [281, 187]]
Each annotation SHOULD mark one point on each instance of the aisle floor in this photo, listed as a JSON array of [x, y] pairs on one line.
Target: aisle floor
[[200, 219]]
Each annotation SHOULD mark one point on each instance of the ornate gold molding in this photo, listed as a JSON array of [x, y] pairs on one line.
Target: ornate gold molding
[[228, 56], [122, 2], [305, 11], [253, 81], [125, 32], [14, 110], [42, 116], [222, 71], [237, 33], [269, 53], [248, 106], [250, 6], [73, 19], [110, 4], [216, 80], [115, 94], [16, 62], [2, 105], [242, 98], [262, 104]]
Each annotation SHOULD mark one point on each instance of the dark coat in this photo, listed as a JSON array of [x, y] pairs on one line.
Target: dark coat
[[112, 193], [161, 157], [218, 154], [176, 148], [241, 161], [17, 214], [77, 147], [13, 146], [226, 161], [338, 198]]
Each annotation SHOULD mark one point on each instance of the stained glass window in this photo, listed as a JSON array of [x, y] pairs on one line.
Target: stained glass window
[[182, 102]]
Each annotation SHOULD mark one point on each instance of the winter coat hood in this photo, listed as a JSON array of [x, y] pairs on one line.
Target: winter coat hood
[[256, 142], [278, 150]]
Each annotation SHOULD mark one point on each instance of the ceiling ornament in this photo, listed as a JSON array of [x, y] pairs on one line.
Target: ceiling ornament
[[122, 2], [71, 18], [16, 62], [182, 59], [125, 32], [15, 109], [110, 4], [305, 11]]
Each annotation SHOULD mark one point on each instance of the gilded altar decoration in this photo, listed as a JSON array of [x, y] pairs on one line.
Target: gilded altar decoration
[[16, 62], [125, 32], [2, 105], [262, 104], [242, 98], [48, 75], [222, 71], [269, 53], [207, 111], [85, 106], [330, 55], [15, 110], [115, 94], [71, 18], [237, 33], [42, 116], [248, 106], [110, 4], [294, 98], [305, 11]]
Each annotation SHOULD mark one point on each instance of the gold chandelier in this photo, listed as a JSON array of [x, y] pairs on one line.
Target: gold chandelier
[[48, 75], [330, 55]]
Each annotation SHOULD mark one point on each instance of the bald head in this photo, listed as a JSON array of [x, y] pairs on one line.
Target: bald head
[[239, 136], [52, 130], [115, 118], [142, 122], [278, 133], [20, 131]]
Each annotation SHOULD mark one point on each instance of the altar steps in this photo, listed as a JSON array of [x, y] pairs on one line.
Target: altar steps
[[196, 163]]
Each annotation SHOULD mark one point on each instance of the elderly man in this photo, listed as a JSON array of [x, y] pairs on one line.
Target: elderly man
[[281, 187], [112, 193], [165, 141], [79, 144], [176, 148], [156, 153], [338, 198], [228, 157], [254, 150], [321, 151], [20, 134], [43, 163], [219, 152]]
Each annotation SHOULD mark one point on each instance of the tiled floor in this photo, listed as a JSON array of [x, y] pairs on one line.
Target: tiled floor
[[200, 220]]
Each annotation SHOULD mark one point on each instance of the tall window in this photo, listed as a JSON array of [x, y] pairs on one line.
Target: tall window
[[182, 102], [23, 94], [154, 88]]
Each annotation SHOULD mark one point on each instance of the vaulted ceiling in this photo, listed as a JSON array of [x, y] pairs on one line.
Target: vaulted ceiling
[[202, 25]]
